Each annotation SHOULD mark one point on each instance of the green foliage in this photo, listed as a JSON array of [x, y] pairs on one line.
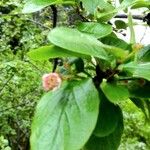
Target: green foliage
[[136, 129], [99, 73], [101, 9], [89, 39], [36, 5], [4, 144], [20, 78], [46, 52], [76, 41], [70, 109], [144, 54], [139, 89], [140, 70], [107, 119], [120, 24], [17, 100], [99, 30], [112, 141], [110, 89]]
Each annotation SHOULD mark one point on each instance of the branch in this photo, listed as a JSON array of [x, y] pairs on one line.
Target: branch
[[54, 10], [138, 17], [131, 28]]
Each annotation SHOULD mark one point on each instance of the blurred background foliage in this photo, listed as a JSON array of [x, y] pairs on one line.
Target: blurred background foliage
[[20, 78], [136, 128]]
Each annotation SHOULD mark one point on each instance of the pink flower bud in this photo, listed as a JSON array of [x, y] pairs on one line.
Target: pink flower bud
[[51, 81]]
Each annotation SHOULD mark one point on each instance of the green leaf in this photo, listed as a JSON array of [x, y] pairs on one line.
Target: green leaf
[[90, 6], [98, 30], [141, 3], [99, 8], [114, 41], [127, 3], [135, 3], [110, 142], [36, 5], [65, 118], [114, 92], [144, 54], [47, 52], [141, 70], [116, 47], [141, 105], [139, 89], [76, 41], [105, 11], [120, 24], [107, 119]]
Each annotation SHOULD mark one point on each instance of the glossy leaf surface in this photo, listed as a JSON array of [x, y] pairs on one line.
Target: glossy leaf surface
[[141, 70], [47, 52], [65, 118], [144, 54], [76, 41], [36, 5], [90, 5], [98, 30], [114, 41]]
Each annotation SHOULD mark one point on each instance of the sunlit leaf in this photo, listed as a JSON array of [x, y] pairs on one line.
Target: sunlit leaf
[[135, 3], [76, 41], [102, 9], [144, 54], [47, 52], [36, 5], [65, 118], [98, 30], [90, 5], [141, 3], [105, 11], [117, 42], [141, 70]]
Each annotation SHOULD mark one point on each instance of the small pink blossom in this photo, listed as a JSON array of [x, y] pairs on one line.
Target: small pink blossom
[[51, 81]]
